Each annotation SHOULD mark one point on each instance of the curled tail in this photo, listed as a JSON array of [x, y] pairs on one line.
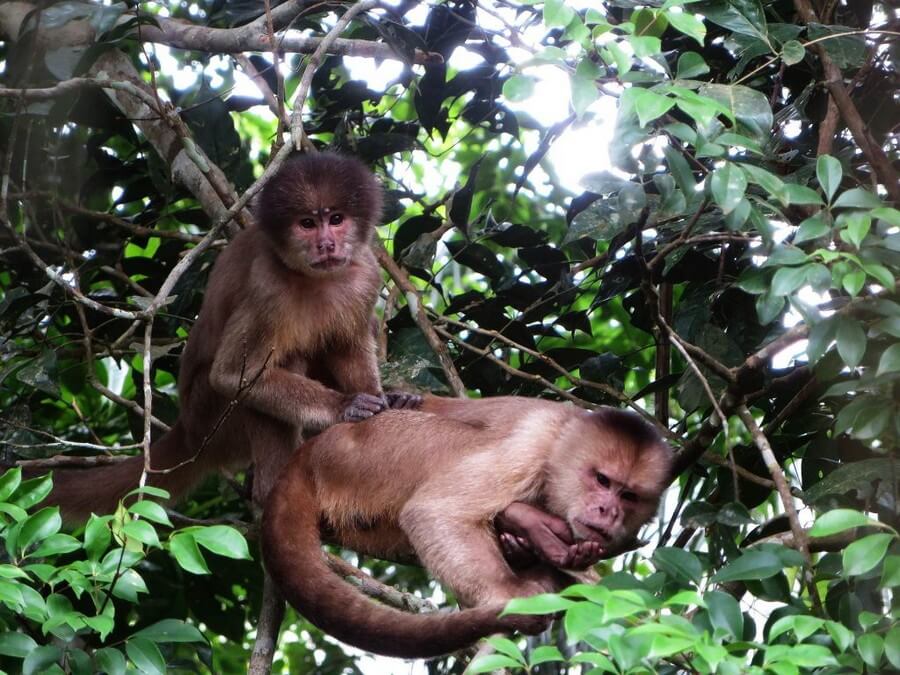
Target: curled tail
[[292, 553], [80, 492]]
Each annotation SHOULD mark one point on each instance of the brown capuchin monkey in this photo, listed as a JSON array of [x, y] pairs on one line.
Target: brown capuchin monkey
[[430, 482], [284, 329]]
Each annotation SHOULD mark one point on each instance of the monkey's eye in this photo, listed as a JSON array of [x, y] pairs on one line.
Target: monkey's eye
[[336, 218], [602, 479], [307, 223], [629, 496]]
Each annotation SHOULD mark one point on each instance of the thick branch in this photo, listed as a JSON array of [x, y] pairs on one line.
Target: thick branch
[[418, 313], [834, 82]]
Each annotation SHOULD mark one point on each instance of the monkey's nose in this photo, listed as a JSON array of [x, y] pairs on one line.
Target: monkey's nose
[[325, 246]]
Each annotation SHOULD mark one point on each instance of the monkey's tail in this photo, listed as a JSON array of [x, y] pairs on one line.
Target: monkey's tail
[[292, 552], [80, 492]]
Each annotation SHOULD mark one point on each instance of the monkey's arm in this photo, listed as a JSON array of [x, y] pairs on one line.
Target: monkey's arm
[[355, 369], [247, 364], [529, 535]]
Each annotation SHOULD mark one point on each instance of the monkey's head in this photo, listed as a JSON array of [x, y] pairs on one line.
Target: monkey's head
[[610, 474], [319, 211]]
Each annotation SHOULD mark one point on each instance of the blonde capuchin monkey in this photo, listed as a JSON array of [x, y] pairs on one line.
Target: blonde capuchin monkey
[[430, 482]]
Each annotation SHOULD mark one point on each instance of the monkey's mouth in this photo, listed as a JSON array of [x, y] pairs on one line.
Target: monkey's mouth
[[328, 263], [594, 532]]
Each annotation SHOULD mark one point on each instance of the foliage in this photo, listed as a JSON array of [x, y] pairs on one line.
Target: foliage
[[737, 256], [66, 602]]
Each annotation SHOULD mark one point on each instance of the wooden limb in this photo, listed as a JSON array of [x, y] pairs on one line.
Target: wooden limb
[[267, 628], [882, 166], [801, 539], [417, 311]]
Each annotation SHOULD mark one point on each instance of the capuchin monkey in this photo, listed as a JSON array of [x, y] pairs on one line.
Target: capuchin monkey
[[284, 330], [430, 482]]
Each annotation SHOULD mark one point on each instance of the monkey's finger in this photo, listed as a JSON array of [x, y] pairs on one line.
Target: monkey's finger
[[402, 400]]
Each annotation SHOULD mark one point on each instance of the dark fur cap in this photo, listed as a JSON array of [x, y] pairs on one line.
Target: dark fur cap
[[309, 182]]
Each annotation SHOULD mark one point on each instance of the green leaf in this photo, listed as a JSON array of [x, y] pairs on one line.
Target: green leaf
[[150, 491], [787, 280], [557, 14], [691, 65], [102, 624], [838, 520], [9, 482], [829, 173], [518, 88], [187, 553], [584, 93], [793, 194], [748, 107], [41, 659], [853, 282], [856, 226], [864, 554], [768, 307], [508, 647], [728, 185], [857, 198], [580, 619], [802, 625], [812, 228], [544, 603], [871, 649], [545, 654], [892, 646], [841, 635], [681, 170], [171, 630], [890, 577], [846, 51], [111, 661], [146, 656], [645, 46], [678, 564], [141, 531], [851, 341], [32, 491], [56, 544], [488, 663], [151, 511], [39, 526], [15, 644], [792, 52], [128, 585], [889, 215], [890, 360], [97, 536], [724, 613], [767, 180], [880, 273], [751, 565], [223, 540], [746, 17], [688, 24], [647, 104]]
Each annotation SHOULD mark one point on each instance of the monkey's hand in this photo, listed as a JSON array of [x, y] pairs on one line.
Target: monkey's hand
[[359, 407], [402, 400], [528, 534]]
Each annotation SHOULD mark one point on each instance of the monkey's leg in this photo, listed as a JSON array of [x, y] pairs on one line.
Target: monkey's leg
[[271, 445]]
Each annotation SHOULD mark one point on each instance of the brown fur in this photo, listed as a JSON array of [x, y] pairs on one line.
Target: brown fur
[[433, 480], [269, 313]]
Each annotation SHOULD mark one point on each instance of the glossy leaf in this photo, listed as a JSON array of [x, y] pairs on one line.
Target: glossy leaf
[[864, 554]]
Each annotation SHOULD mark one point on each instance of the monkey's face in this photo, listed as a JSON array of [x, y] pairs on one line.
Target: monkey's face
[[320, 242], [613, 501], [608, 479]]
